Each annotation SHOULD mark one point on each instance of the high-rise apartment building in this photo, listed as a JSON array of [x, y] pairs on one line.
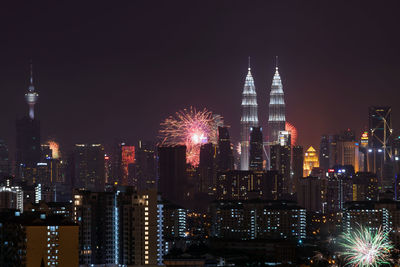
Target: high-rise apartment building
[[97, 216]]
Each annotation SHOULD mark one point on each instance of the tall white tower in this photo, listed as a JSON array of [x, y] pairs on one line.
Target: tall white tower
[[31, 96], [276, 119], [249, 118]]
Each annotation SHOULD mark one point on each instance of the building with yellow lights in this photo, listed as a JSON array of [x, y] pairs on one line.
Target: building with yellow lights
[[310, 161]]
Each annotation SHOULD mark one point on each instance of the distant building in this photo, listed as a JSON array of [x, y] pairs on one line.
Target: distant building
[[225, 154], [240, 185], [348, 153], [324, 153], [28, 137], [258, 219], [280, 158], [207, 168], [365, 186], [256, 149], [5, 169], [297, 162], [172, 173], [379, 145], [339, 189], [310, 161], [146, 166], [89, 167], [311, 193]]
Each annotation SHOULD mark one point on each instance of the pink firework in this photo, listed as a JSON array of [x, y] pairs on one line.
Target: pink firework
[[191, 128], [293, 133]]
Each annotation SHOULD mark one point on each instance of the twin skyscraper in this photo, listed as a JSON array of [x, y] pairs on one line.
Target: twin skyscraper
[[249, 119]]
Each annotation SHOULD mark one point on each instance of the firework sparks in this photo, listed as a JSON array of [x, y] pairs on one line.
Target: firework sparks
[[55, 148], [191, 128], [365, 247]]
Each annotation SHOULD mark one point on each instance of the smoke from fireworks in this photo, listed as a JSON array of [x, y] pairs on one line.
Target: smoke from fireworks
[[365, 247], [191, 128]]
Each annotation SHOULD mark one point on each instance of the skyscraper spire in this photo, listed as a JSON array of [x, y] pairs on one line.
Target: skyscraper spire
[[249, 118], [31, 97], [277, 119]]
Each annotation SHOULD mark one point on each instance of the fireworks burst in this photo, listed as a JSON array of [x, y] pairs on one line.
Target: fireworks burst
[[191, 128], [365, 247], [54, 146]]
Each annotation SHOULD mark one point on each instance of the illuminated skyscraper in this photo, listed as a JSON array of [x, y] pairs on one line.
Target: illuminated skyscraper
[[310, 161], [28, 138], [31, 96], [276, 120], [249, 118]]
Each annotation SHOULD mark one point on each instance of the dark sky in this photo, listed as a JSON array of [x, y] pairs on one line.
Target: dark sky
[[118, 68]]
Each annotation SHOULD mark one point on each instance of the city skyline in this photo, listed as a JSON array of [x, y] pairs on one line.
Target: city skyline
[[82, 97]]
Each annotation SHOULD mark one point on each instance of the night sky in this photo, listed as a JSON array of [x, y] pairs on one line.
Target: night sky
[[117, 69]]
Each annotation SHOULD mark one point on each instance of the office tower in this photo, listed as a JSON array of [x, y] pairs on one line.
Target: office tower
[[4, 160], [276, 119], [127, 158], [172, 173], [310, 161], [280, 161], [311, 193], [225, 153], [332, 140], [256, 149], [348, 153], [240, 185], [89, 171], [97, 216], [297, 162], [249, 118], [28, 138], [365, 186], [324, 152], [145, 166], [140, 225], [380, 125], [207, 170], [379, 146], [339, 189], [35, 239]]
